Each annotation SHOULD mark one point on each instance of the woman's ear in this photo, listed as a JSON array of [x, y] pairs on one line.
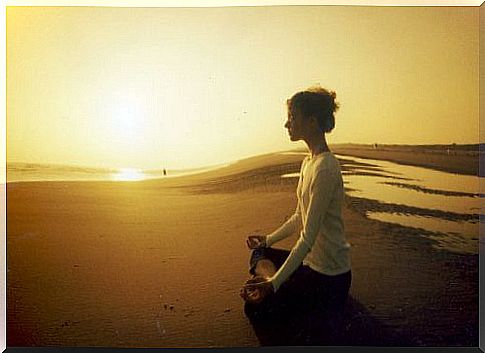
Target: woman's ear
[[314, 122]]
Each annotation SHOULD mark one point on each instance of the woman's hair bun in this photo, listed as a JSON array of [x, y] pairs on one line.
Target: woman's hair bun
[[318, 102]]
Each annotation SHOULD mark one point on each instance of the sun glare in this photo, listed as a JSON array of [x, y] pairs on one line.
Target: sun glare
[[129, 174], [125, 114]]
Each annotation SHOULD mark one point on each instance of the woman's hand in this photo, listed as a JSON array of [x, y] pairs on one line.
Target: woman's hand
[[256, 289], [256, 241]]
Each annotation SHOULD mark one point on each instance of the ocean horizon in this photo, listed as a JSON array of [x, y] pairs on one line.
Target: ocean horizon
[[30, 172]]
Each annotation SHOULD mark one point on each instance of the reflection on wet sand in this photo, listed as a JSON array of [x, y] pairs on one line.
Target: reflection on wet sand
[[444, 203]]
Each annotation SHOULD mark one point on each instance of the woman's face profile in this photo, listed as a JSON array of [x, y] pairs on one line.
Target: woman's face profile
[[294, 124]]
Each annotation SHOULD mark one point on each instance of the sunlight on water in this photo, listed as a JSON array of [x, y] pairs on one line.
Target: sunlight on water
[[129, 174], [293, 153], [424, 176], [459, 237], [291, 175], [28, 172], [467, 229], [373, 187], [421, 188]]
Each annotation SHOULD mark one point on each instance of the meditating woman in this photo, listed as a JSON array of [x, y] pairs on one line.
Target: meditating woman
[[317, 270]]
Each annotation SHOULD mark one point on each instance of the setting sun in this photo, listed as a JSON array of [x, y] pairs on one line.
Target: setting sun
[[132, 86], [124, 113]]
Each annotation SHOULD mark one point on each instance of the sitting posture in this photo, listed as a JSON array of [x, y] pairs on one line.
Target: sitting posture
[[317, 270]]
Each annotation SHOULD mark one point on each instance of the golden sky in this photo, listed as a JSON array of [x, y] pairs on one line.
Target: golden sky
[[188, 87]]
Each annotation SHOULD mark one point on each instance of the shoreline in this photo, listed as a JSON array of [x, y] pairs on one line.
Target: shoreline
[[461, 162]]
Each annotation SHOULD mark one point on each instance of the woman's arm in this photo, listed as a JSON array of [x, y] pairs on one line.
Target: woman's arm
[[321, 191]]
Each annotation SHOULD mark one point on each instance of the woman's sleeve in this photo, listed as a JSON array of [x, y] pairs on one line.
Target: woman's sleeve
[[321, 191], [291, 226]]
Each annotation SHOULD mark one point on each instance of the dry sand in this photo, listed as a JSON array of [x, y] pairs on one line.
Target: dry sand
[[159, 263]]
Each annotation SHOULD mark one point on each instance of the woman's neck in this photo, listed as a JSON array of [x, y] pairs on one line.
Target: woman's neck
[[317, 145]]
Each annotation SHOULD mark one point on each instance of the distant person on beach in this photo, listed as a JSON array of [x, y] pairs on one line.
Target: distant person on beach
[[316, 273]]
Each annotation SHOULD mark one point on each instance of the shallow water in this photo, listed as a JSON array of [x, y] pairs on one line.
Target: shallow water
[[291, 175], [434, 188], [433, 193], [455, 236], [22, 172]]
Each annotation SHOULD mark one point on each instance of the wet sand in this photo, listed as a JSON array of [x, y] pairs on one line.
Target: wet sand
[[159, 263], [458, 159]]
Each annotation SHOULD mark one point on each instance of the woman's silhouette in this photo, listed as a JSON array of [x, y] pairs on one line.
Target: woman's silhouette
[[317, 270]]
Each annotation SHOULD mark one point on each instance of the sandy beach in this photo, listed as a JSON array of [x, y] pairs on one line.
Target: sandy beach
[[159, 263]]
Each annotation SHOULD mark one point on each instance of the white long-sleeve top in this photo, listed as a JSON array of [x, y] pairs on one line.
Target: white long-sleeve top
[[321, 245]]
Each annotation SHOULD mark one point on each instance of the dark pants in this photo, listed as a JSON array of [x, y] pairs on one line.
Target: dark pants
[[305, 291]]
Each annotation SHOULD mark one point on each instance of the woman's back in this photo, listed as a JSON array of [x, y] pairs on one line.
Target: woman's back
[[330, 252]]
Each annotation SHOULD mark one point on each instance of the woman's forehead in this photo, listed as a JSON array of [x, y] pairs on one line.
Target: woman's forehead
[[289, 104], [291, 108]]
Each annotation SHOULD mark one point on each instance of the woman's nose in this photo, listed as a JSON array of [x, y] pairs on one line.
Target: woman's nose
[[287, 124]]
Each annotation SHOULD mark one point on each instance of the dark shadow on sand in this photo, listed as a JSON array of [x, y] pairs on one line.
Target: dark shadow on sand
[[354, 326]]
